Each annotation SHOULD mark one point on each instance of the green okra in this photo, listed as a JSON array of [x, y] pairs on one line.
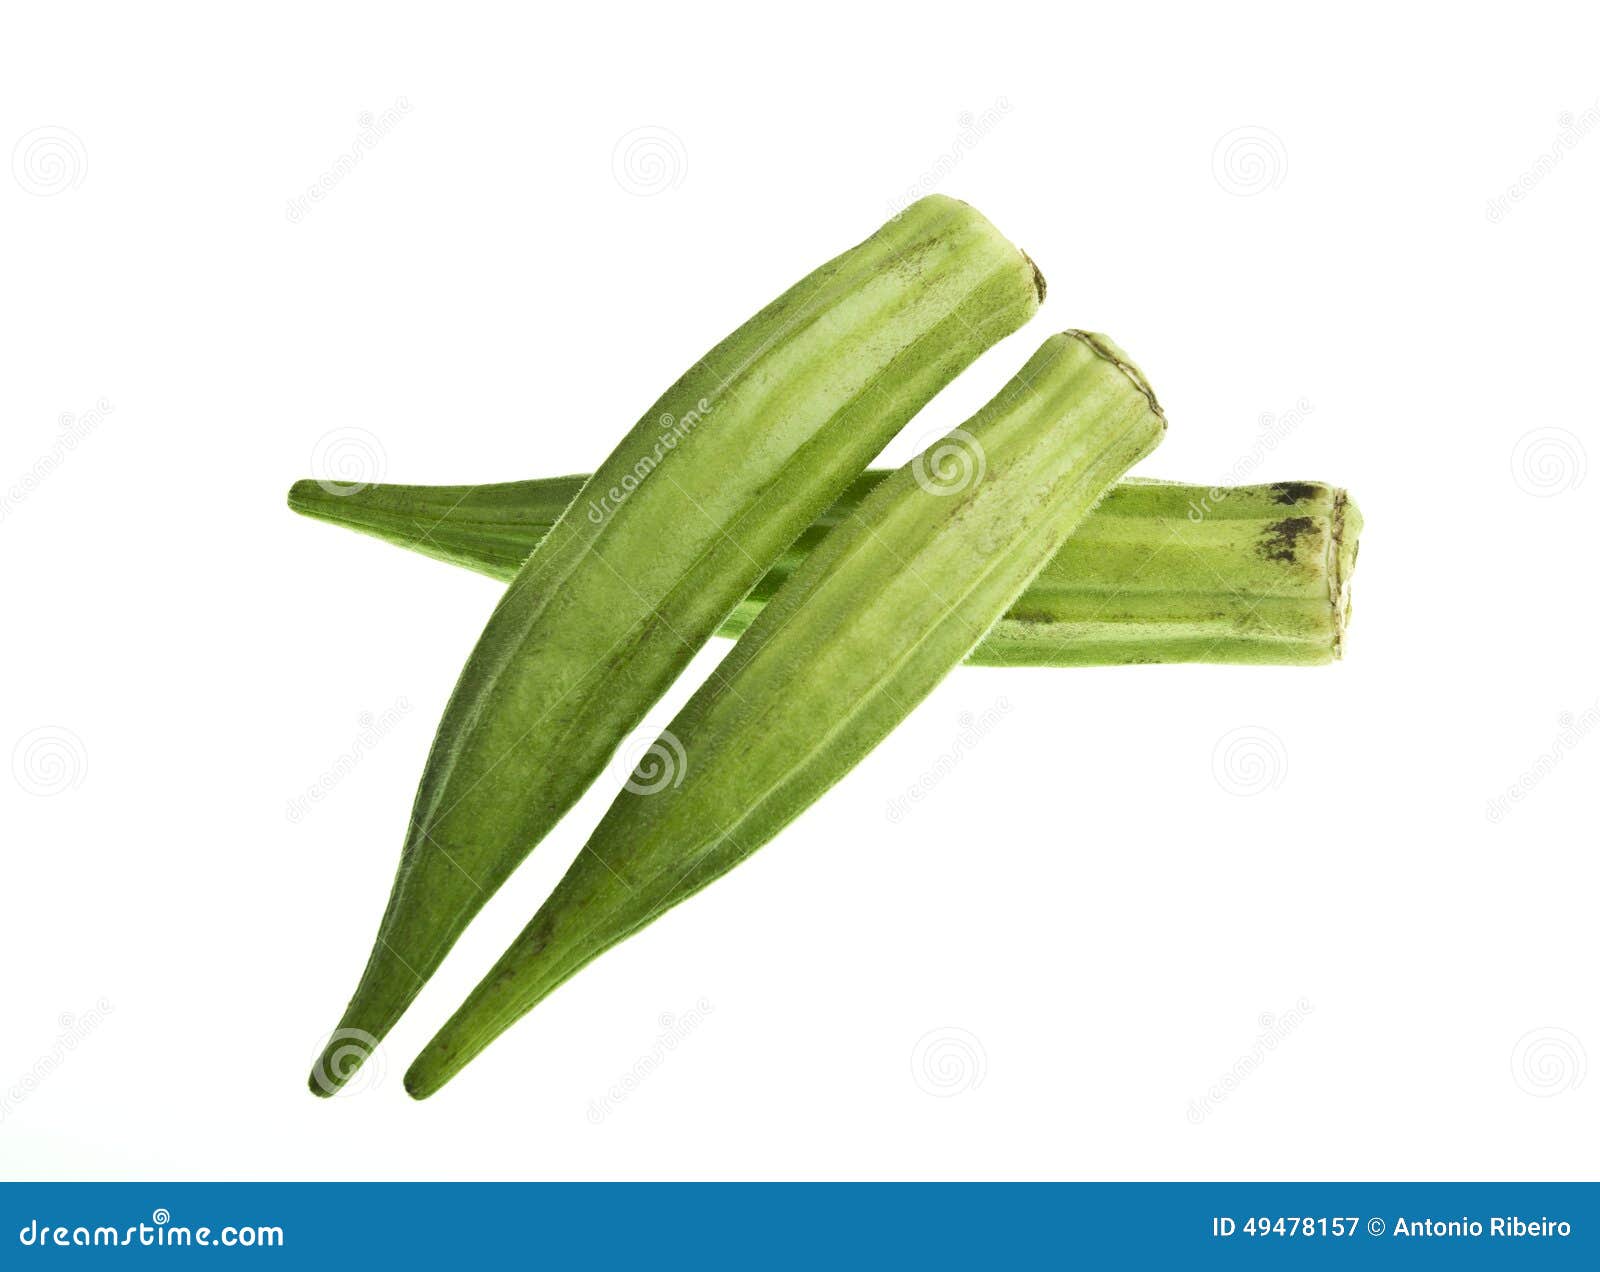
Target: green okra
[[678, 524], [1159, 572], [872, 620]]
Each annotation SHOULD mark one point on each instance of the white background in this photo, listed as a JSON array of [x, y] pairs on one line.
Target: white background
[[1099, 926]]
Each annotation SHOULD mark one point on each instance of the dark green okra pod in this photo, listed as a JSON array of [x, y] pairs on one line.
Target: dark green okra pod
[[698, 501], [873, 619]]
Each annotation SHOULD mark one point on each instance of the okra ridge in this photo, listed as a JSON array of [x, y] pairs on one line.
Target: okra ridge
[[1104, 347]]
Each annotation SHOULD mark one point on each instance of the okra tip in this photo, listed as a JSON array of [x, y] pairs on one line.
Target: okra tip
[[310, 498], [345, 1051], [418, 1086], [432, 1069], [299, 494]]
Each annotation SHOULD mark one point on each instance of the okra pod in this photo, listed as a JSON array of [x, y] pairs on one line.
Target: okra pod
[[1159, 572], [873, 619], [698, 501]]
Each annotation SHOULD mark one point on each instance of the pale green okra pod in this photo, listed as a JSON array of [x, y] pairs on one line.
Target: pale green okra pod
[[1159, 572]]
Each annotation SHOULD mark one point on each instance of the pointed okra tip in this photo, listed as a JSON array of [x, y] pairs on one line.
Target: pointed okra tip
[[340, 502], [416, 1087], [459, 1041], [428, 1072], [299, 493], [343, 1055], [311, 498]]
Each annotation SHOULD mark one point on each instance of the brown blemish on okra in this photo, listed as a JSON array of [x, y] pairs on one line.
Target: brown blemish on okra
[[1292, 492], [1280, 540]]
